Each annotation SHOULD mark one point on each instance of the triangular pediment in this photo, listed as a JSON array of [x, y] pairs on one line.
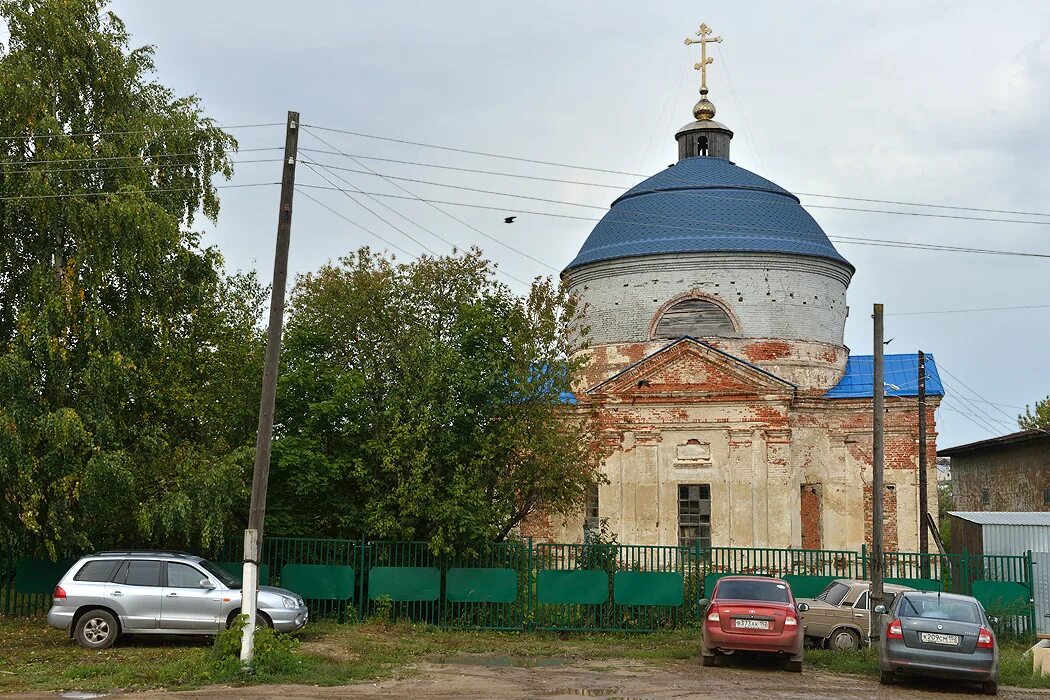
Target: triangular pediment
[[691, 368]]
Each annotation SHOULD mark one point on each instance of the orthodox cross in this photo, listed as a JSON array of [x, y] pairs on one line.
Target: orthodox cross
[[705, 61]]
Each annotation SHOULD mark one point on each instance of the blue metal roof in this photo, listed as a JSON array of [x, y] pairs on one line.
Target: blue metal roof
[[901, 371], [705, 204]]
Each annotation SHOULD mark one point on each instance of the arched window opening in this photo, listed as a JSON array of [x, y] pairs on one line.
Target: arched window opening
[[694, 317], [701, 146]]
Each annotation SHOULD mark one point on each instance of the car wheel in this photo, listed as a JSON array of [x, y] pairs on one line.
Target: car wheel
[[793, 666], [990, 688], [96, 629], [261, 619], [886, 677], [844, 639]]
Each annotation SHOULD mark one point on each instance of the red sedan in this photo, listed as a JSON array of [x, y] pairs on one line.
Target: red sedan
[[752, 614]]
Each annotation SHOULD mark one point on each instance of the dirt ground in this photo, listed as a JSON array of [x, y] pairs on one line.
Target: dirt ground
[[468, 678]]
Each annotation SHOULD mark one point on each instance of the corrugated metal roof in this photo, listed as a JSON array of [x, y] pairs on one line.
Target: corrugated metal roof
[[705, 204], [1004, 517], [900, 371]]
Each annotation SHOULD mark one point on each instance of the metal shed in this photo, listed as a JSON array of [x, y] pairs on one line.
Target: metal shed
[[1005, 533]]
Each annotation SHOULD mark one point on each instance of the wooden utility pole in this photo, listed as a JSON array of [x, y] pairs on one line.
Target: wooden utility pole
[[877, 458], [261, 475], [924, 501]]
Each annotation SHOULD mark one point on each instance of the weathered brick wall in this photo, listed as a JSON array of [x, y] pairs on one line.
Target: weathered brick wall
[[1015, 476], [770, 295], [811, 516]]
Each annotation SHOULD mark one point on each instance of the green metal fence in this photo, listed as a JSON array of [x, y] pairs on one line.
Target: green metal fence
[[590, 586]]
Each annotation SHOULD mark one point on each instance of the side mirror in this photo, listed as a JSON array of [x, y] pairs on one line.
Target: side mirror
[[704, 602], [880, 609], [206, 584], [803, 607], [994, 620]]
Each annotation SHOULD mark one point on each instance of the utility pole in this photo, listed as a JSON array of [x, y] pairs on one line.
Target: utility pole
[[924, 502], [877, 458], [253, 535]]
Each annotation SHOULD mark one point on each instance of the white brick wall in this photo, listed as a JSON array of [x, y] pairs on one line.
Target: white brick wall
[[773, 295]]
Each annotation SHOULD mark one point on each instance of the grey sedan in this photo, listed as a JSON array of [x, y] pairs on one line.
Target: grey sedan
[[109, 594], [941, 635]]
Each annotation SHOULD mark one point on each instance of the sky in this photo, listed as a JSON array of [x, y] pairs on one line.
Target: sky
[[934, 102]]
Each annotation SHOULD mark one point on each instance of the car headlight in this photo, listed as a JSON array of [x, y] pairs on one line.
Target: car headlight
[[290, 603]]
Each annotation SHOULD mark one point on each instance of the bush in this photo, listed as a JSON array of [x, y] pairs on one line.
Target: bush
[[275, 653]]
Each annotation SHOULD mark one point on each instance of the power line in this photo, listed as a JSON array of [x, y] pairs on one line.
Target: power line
[[94, 159], [144, 166], [841, 239], [125, 192], [56, 134], [433, 205], [1013, 419], [966, 311], [351, 221], [643, 175]]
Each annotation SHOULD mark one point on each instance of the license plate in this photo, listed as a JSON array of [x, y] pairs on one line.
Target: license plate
[[751, 624], [934, 638]]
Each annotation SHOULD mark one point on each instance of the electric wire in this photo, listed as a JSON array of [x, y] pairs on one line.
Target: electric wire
[[967, 311], [95, 159], [127, 192], [133, 166], [968, 387], [354, 223], [57, 134]]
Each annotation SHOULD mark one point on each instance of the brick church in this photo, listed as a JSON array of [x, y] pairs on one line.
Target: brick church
[[735, 413]]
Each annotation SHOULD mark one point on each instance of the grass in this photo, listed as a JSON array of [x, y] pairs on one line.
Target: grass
[[36, 657]]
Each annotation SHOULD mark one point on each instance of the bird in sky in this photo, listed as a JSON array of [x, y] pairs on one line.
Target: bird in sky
[[509, 219], [887, 342]]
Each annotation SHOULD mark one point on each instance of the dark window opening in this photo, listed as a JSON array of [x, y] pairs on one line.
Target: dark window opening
[[1046, 496], [694, 515], [701, 146], [590, 515], [986, 497]]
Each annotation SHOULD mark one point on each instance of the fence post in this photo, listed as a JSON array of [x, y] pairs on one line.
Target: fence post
[[698, 580], [1029, 575], [530, 592], [964, 585], [362, 572], [864, 561]]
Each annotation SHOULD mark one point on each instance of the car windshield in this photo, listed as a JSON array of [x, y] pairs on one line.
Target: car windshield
[[938, 608], [752, 589], [225, 577], [834, 593]]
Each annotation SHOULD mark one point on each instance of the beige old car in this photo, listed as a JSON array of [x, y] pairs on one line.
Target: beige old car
[[838, 617]]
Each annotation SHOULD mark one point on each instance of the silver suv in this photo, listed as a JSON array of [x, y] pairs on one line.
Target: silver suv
[[111, 593]]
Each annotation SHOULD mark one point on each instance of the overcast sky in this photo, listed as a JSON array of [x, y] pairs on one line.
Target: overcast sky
[[934, 102]]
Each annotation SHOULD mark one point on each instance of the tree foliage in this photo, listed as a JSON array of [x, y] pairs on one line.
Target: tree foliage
[[1036, 417], [128, 359], [424, 401]]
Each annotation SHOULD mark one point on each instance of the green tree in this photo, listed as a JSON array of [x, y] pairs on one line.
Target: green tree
[[1037, 418], [128, 359], [424, 401]]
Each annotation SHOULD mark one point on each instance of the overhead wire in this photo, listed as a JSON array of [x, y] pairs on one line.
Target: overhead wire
[[127, 192], [95, 159], [354, 223], [132, 166], [57, 134], [966, 311]]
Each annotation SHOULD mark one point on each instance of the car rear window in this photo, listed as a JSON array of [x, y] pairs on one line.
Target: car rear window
[[756, 589], [938, 608], [834, 593], [97, 571]]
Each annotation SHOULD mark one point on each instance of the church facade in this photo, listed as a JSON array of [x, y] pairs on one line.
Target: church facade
[[733, 413]]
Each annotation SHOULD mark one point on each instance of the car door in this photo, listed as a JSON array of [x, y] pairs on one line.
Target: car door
[[186, 606], [861, 615], [136, 591]]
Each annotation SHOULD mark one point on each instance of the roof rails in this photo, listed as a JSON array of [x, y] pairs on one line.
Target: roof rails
[[148, 552]]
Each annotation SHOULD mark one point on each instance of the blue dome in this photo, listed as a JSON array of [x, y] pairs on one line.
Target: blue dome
[[702, 205]]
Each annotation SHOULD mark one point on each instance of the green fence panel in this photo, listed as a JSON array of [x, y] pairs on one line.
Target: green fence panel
[[319, 581], [479, 585], [39, 575], [648, 588], [1002, 597], [236, 568], [709, 583], [807, 586], [555, 587], [920, 584], [405, 583]]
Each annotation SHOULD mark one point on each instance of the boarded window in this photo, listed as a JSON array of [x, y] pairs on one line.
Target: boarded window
[[694, 515], [986, 497], [694, 317]]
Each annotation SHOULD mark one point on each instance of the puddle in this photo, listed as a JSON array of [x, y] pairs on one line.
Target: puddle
[[82, 695], [502, 661]]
